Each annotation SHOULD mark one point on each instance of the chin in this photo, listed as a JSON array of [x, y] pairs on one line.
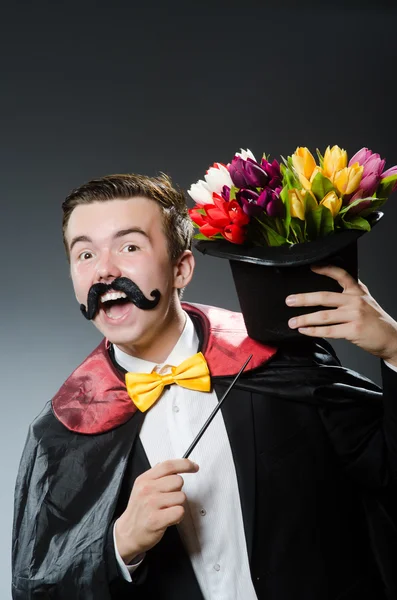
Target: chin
[[121, 335], [127, 335]]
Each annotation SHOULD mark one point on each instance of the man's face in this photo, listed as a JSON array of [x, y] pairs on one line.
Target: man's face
[[122, 238]]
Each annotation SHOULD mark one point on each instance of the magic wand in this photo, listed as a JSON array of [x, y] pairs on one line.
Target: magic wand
[[212, 415]]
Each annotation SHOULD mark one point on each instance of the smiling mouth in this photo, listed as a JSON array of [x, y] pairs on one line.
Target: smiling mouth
[[114, 304]]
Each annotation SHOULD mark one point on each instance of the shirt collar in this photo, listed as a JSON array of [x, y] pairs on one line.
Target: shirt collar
[[186, 346]]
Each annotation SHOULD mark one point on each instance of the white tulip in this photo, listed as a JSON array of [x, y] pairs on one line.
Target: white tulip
[[244, 154], [217, 178], [201, 193]]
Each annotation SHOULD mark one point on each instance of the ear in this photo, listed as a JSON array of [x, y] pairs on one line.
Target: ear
[[183, 269]]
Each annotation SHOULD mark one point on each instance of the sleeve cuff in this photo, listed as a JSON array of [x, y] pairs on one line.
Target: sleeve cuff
[[126, 570]]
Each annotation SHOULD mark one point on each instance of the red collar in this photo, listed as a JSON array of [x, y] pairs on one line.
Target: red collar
[[94, 398]]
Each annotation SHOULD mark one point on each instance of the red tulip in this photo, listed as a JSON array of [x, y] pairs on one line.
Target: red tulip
[[222, 217]]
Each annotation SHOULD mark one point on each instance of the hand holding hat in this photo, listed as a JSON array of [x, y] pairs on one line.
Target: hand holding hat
[[355, 316]]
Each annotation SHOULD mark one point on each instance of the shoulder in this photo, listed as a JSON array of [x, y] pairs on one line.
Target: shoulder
[[312, 374], [94, 398], [45, 430]]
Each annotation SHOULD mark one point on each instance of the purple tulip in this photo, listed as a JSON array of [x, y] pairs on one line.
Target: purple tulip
[[246, 173], [388, 173], [271, 202], [248, 200], [273, 172], [225, 193]]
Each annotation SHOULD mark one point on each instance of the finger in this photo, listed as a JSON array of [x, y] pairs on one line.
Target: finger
[[318, 299], [170, 499], [170, 483], [345, 280], [322, 317], [170, 516], [174, 466], [336, 332], [363, 286]]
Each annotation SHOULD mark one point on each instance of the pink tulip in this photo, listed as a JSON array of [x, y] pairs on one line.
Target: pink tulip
[[361, 156], [388, 173], [372, 174]]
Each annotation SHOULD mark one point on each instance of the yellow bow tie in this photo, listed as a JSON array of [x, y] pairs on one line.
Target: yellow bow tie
[[145, 388]]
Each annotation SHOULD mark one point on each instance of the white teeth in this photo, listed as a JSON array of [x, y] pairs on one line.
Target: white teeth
[[112, 296]]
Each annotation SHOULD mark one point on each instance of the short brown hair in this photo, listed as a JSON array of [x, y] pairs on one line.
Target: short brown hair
[[177, 224]]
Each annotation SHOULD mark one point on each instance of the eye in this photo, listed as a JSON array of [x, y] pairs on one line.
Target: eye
[[85, 255], [130, 248]]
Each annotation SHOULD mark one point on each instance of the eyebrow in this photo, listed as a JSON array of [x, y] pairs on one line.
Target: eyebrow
[[119, 234]]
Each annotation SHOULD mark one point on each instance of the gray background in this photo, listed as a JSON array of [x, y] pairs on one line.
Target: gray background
[[94, 88]]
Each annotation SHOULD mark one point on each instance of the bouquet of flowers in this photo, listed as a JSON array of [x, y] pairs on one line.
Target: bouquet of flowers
[[293, 201]]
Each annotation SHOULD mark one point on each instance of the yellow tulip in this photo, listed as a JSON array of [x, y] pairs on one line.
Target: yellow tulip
[[348, 179], [297, 202], [332, 202], [335, 159], [297, 205], [316, 170], [304, 165]]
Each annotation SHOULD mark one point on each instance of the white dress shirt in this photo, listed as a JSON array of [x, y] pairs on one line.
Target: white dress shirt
[[212, 530]]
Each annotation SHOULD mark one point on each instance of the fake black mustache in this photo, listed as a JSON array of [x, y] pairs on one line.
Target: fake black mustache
[[121, 284]]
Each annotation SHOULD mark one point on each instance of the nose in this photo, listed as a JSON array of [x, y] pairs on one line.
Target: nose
[[107, 269]]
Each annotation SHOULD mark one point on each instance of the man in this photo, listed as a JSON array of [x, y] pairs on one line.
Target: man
[[294, 496]]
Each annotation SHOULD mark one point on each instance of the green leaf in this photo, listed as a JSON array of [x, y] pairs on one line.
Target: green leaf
[[233, 191], [280, 226], [385, 187], [319, 222], [290, 176], [272, 237], [201, 236], [310, 203], [296, 233], [320, 158], [327, 224], [375, 203], [290, 179], [321, 186], [284, 195], [285, 161], [357, 223], [287, 219], [346, 208]]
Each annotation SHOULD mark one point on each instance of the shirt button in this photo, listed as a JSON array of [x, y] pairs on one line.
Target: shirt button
[[203, 512], [217, 567], [176, 409]]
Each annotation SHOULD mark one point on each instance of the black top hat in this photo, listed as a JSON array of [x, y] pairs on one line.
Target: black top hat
[[265, 275]]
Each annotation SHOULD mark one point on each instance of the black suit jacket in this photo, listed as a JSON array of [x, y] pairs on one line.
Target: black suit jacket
[[315, 451]]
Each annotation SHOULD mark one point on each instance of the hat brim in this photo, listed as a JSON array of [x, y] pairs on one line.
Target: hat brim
[[287, 255]]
